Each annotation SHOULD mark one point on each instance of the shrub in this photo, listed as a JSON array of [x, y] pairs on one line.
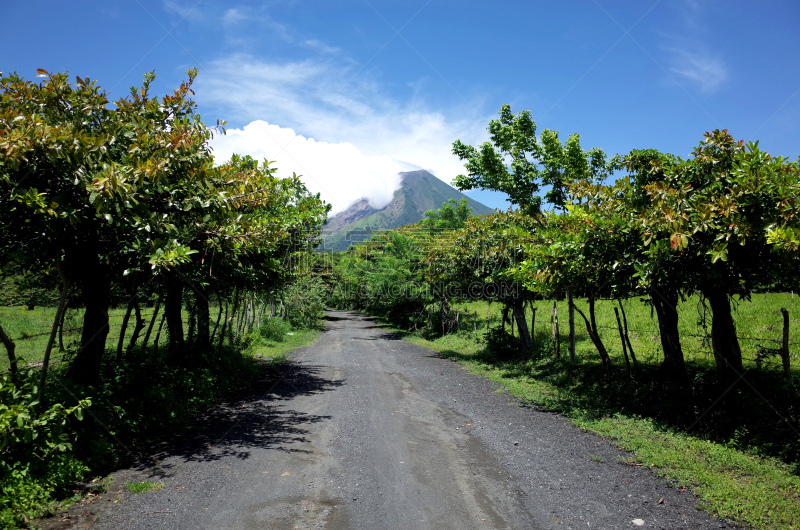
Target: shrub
[[36, 460], [274, 329]]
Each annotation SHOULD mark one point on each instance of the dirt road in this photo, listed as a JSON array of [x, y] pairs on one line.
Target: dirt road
[[362, 430]]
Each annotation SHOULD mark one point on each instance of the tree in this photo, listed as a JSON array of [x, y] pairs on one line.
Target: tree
[[644, 264], [517, 163], [479, 262], [451, 216], [714, 213], [129, 196]]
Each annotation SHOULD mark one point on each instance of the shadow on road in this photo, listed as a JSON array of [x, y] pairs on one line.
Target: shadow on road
[[262, 417], [383, 336]]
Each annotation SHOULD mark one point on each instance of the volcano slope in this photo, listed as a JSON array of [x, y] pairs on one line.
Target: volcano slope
[[363, 430]]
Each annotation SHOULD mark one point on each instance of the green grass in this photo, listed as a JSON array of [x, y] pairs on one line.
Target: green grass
[[278, 351], [759, 324], [144, 487], [722, 460], [30, 331]]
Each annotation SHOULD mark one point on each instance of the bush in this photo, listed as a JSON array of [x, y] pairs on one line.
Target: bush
[[36, 460], [274, 329], [503, 346]]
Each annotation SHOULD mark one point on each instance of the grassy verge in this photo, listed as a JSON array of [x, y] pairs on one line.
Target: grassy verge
[[732, 474], [277, 351]]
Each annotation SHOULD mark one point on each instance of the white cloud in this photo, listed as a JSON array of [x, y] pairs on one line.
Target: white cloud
[[350, 138], [706, 72], [339, 171], [320, 46], [233, 16]]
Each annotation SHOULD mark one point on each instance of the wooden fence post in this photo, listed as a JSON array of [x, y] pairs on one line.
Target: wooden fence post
[[555, 331], [571, 327], [787, 368]]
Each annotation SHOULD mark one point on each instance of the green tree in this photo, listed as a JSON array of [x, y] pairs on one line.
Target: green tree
[[451, 216], [708, 228], [518, 163]]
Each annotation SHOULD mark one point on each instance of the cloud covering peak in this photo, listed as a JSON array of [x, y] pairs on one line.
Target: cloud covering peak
[[340, 172]]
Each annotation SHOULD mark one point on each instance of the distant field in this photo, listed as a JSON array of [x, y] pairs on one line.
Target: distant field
[[759, 323], [30, 330]]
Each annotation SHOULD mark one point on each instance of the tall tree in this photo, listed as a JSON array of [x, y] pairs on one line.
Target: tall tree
[[517, 162]]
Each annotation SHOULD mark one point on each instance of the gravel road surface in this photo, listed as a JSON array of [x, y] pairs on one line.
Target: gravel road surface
[[362, 430]]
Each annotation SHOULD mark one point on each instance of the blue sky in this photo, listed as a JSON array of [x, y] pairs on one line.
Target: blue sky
[[349, 92]]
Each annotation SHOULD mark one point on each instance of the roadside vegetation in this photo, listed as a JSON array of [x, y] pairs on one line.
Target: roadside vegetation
[[140, 281], [643, 303]]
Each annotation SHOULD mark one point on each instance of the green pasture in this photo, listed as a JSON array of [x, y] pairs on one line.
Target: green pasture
[[30, 330], [759, 325]]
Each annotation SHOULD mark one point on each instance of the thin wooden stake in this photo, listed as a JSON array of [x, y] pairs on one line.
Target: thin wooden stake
[[787, 368], [571, 327]]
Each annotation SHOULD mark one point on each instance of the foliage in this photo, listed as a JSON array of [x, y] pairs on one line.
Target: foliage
[[451, 216], [36, 448], [516, 162], [144, 487], [304, 300], [274, 330]]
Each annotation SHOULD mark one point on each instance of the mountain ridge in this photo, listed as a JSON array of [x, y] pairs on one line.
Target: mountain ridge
[[419, 192]]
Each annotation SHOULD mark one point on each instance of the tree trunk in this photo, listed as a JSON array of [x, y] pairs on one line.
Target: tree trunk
[[597, 340], [224, 326], [216, 324], [138, 327], [665, 302], [95, 291], [727, 352], [554, 330], [591, 329], [123, 329], [158, 333], [627, 337], [522, 325], [172, 312], [622, 339], [152, 322], [203, 316], [12, 358]]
